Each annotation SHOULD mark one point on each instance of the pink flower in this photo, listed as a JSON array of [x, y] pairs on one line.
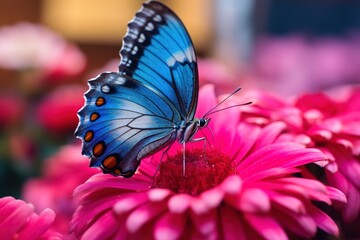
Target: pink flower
[[242, 187], [293, 64], [328, 121], [12, 109], [58, 111], [217, 73], [62, 173], [19, 221], [27, 46], [23, 150]]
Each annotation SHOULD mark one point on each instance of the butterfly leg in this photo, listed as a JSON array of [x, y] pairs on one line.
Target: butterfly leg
[[204, 147], [184, 158], [158, 166]]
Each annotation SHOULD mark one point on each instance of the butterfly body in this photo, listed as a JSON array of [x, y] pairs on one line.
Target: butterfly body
[[150, 102]]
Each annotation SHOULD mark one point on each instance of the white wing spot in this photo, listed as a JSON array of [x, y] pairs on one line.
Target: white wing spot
[[148, 12], [133, 33], [139, 21], [134, 50], [157, 18], [105, 88], [119, 81], [142, 38], [181, 56], [149, 26], [128, 63]]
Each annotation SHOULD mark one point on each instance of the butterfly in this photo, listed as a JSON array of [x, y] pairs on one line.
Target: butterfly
[[150, 103]]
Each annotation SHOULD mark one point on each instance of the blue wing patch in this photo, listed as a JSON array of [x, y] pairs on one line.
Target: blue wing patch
[[120, 119], [139, 110], [158, 51]]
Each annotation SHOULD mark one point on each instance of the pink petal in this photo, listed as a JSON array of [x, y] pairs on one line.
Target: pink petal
[[4, 201], [336, 195], [233, 228], [352, 208], [300, 224], [232, 184], [158, 194], [103, 228], [213, 197], [206, 223], [179, 203], [38, 225], [287, 202], [170, 226], [206, 92], [313, 188], [269, 134], [254, 200], [246, 136], [350, 168], [80, 220], [224, 129], [100, 181], [144, 214], [271, 173], [127, 203], [320, 135], [198, 206], [352, 128], [323, 221], [284, 155], [267, 227], [15, 215]]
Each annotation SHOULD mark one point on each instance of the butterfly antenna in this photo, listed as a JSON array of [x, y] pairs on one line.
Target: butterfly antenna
[[211, 111], [206, 137], [184, 159], [222, 109]]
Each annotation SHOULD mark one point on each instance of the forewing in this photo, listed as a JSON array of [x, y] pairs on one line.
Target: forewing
[[123, 121], [158, 52]]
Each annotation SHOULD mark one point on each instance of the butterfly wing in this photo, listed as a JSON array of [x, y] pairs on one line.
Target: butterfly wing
[[158, 51], [133, 113], [123, 121]]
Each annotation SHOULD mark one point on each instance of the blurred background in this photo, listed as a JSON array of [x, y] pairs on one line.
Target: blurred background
[[50, 48]]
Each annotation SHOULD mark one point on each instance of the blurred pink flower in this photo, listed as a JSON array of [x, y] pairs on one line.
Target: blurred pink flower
[[243, 187], [23, 150], [334, 127], [62, 173], [293, 64], [58, 110], [12, 109], [28, 46], [215, 72], [327, 121], [19, 221], [280, 65]]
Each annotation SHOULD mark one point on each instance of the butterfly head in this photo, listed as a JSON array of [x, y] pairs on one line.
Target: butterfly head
[[202, 122]]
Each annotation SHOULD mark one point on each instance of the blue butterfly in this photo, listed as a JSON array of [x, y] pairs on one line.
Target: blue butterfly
[[150, 102]]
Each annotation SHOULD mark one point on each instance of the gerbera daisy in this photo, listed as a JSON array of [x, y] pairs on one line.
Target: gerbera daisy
[[242, 187], [327, 121], [19, 221], [62, 173]]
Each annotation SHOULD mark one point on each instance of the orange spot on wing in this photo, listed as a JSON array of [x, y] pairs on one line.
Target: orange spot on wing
[[117, 171], [94, 116], [100, 101], [99, 149], [89, 136], [110, 162]]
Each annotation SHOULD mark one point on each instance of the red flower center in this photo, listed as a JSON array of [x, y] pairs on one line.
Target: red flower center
[[202, 171]]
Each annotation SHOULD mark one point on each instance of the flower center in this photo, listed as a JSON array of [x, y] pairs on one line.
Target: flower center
[[202, 171]]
